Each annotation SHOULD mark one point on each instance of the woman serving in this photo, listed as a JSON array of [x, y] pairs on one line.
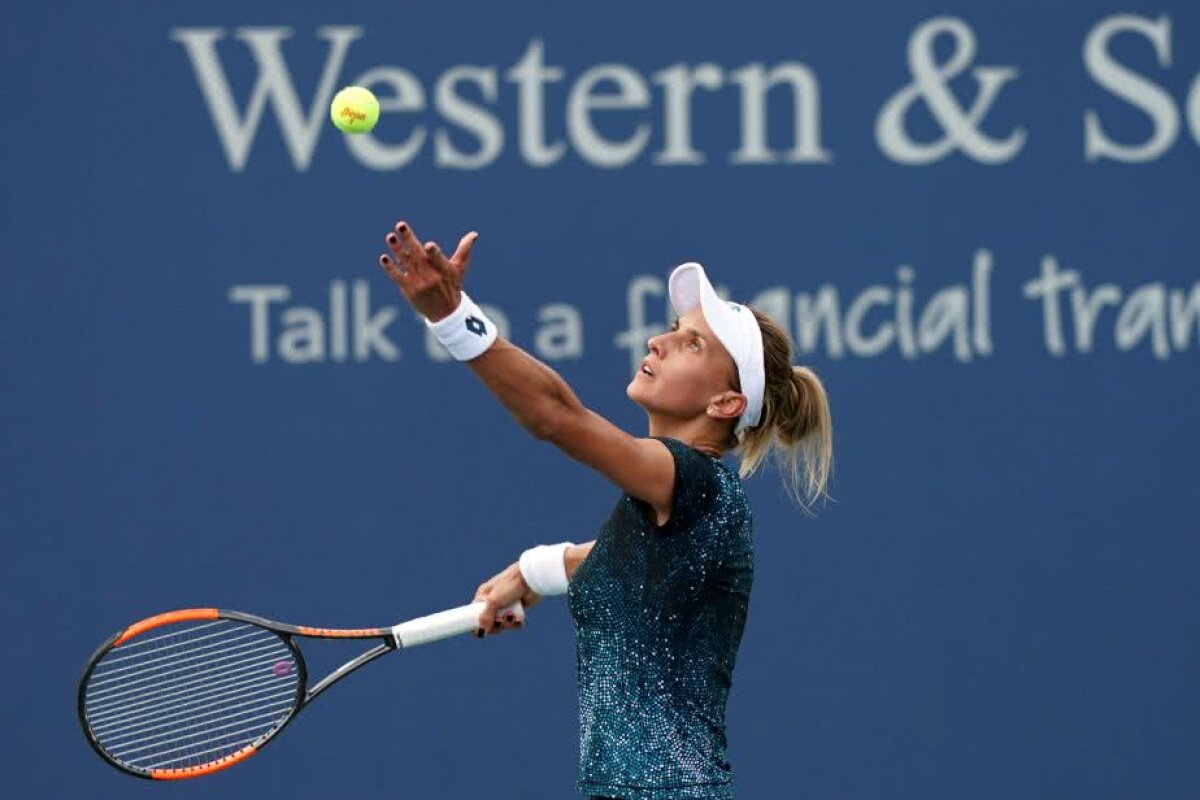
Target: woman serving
[[659, 599]]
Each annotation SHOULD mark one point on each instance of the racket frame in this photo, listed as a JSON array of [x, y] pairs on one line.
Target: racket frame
[[304, 695]]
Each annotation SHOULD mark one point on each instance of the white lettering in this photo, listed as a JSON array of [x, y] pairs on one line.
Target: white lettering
[[560, 336], [530, 74], [1047, 286], [1167, 317], [1145, 311], [1131, 87], [632, 93], [904, 312], [981, 287], [1194, 108], [274, 83], [407, 95], [810, 314], [305, 331], [368, 328], [259, 298], [1185, 316], [303, 337], [337, 321], [678, 82], [962, 128], [946, 313], [475, 119], [862, 345], [1086, 306], [755, 83]]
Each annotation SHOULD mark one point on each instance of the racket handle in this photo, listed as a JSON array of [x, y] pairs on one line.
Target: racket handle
[[444, 624]]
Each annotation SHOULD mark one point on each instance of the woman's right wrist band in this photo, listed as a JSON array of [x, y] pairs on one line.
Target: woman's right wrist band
[[545, 568], [467, 332]]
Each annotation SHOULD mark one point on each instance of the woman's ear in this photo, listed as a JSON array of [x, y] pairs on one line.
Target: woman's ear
[[727, 405]]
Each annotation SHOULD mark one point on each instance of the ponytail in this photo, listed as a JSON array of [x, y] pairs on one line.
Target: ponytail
[[796, 425]]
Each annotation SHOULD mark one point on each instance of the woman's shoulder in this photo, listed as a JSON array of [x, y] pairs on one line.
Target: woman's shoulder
[[689, 456], [690, 462], [707, 480]]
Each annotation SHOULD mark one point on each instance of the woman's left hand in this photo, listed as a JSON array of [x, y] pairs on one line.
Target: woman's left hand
[[499, 592], [429, 281]]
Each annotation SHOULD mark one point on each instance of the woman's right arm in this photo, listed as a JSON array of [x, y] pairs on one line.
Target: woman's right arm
[[546, 406], [530, 390]]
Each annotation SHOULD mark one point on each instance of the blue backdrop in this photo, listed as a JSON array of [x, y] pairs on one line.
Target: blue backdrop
[[979, 220]]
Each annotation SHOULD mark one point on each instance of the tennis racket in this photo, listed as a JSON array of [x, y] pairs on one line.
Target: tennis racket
[[191, 692]]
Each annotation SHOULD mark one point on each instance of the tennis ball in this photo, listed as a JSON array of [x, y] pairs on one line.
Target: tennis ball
[[354, 110]]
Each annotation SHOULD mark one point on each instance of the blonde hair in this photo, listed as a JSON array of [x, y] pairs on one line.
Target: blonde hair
[[795, 426]]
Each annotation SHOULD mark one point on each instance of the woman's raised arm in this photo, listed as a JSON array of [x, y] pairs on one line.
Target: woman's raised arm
[[536, 395]]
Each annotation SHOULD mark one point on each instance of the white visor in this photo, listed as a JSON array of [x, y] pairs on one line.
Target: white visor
[[734, 325]]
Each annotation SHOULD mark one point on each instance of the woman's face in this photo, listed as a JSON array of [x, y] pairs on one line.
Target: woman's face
[[688, 367]]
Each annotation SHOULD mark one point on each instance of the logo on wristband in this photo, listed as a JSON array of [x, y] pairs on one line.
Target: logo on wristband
[[475, 325]]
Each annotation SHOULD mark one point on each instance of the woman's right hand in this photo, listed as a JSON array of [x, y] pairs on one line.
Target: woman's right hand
[[500, 591], [431, 282]]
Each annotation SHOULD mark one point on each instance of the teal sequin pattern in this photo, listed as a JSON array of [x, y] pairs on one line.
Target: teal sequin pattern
[[658, 615]]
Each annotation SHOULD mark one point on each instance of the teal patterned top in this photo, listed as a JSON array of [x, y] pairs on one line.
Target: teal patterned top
[[658, 615]]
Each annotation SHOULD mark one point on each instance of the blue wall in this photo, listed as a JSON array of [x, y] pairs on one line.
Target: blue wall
[[1002, 601]]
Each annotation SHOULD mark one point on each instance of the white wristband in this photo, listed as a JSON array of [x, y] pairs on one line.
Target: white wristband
[[545, 568], [467, 332]]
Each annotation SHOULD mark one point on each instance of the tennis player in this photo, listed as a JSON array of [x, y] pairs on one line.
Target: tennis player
[[659, 598]]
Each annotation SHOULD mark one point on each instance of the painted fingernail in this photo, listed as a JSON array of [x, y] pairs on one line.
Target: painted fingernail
[[402, 227], [391, 238], [479, 633], [508, 618]]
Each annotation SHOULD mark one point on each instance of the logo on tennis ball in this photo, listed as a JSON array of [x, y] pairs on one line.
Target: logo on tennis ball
[[354, 110]]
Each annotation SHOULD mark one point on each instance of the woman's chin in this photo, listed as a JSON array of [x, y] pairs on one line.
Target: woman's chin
[[634, 392]]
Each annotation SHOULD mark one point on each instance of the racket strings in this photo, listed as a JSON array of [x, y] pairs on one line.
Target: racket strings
[[194, 694], [157, 722], [176, 703], [142, 642], [200, 665], [128, 748], [141, 662]]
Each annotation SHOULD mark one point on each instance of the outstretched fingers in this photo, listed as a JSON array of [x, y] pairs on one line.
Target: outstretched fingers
[[393, 269], [412, 245], [404, 247], [436, 259], [462, 254]]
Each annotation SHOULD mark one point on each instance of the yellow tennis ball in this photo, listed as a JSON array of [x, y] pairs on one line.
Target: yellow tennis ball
[[354, 110]]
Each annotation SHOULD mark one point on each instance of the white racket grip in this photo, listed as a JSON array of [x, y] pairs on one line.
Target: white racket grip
[[444, 624]]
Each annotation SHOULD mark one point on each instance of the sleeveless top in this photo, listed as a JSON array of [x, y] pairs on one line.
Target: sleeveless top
[[658, 615]]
